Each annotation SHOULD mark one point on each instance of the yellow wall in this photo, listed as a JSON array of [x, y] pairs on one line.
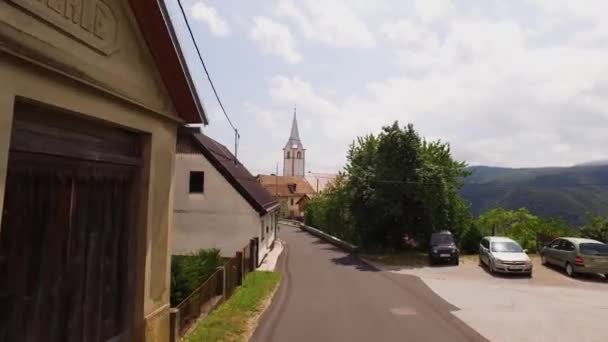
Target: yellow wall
[[42, 63]]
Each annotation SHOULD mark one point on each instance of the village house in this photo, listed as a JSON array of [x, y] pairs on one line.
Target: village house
[[218, 203], [92, 94], [292, 193]]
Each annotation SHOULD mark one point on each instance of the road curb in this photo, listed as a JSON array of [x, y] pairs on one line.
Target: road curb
[[324, 236]]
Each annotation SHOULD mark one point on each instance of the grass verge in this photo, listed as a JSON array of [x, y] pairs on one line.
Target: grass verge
[[232, 321]]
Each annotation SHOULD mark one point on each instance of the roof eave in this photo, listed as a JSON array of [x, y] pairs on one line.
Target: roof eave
[[153, 19]]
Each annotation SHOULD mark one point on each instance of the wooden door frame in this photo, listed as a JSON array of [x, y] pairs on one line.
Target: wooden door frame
[[134, 303]]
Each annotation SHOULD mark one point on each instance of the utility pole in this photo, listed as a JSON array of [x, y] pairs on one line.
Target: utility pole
[[276, 180], [317, 179]]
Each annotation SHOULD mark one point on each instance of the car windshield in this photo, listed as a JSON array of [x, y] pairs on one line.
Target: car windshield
[[505, 247], [441, 239], [594, 249]]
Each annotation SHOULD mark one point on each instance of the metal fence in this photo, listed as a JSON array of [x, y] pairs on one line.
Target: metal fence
[[217, 288]]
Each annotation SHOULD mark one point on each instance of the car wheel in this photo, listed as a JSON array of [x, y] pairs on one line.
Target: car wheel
[[543, 260], [529, 275], [570, 270], [491, 267], [456, 261]]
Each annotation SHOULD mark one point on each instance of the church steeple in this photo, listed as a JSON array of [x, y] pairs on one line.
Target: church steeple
[[294, 152], [294, 137]]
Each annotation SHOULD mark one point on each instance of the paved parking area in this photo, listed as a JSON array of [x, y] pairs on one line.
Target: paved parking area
[[548, 307]]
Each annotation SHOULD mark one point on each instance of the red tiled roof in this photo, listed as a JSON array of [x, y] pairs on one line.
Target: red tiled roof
[[283, 186]]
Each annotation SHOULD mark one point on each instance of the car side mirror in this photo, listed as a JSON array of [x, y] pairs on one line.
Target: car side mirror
[[525, 251]]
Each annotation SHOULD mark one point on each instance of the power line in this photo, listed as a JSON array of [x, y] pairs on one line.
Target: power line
[[217, 97]]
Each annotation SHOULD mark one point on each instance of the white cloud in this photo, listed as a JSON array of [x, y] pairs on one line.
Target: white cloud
[[405, 32], [209, 15], [432, 10], [332, 22], [523, 83], [273, 38]]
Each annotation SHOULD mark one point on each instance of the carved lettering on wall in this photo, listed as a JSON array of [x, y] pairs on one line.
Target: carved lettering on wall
[[93, 22]]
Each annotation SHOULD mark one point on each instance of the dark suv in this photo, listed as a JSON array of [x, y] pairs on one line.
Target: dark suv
[[442, 248]]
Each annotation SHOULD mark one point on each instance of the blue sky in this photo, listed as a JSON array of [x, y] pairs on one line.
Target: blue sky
[[510, 83]]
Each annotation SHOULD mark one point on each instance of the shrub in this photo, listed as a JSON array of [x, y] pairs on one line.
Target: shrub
[[469, 241], [188, 272]]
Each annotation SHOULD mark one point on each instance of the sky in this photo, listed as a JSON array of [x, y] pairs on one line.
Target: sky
[[518, 83]]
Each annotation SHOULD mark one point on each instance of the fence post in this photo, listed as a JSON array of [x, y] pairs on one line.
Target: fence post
[[174, 325], [223, 281], [239, 258], [251, 255], [257, 253]]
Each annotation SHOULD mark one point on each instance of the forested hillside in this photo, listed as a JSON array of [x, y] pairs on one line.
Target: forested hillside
[[569, 193]]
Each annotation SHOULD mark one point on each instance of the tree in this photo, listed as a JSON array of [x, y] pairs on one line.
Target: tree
[[596, 228], [521, 226]]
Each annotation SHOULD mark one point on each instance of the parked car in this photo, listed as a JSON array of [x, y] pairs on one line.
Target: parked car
[[501, 254], [443, 248], [577, 255]]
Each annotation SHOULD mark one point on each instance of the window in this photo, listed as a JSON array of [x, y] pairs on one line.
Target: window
[[566, 246], [288, 155], [292, 201], [594, 249], [555, 243], [485, 243], [197, 182], [299, 155], [267, 229], [506, 247]]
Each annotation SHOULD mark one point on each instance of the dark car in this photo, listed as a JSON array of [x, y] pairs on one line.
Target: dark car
[[443, 249]]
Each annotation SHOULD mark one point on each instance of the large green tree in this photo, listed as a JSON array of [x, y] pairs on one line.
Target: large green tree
[[395, 184]]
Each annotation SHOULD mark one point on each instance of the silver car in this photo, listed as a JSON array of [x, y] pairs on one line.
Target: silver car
[[501, 254], [577, 255]]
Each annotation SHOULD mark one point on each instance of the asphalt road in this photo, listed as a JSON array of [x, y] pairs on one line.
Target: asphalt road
[[330, 295]]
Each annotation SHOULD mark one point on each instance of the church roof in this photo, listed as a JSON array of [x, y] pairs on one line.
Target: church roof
[[294, 137]]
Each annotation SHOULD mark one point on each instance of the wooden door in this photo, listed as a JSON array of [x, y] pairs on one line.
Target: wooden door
[[64, 241]]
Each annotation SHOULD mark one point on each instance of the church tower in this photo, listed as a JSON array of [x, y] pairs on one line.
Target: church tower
[[294, 154]]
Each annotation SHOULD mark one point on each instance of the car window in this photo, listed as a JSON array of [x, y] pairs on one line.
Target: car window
[[594, 249], [439, 239], [565, 246], [485, 243], [506, 247], [555, 243]]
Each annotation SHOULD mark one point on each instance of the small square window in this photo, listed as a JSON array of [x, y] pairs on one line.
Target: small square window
[[197, 182]]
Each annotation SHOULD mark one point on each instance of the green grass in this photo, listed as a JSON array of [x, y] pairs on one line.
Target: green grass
[[232, 320]]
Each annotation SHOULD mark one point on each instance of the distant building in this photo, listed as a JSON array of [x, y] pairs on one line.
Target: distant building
[[218, 203], [294, 153], [292, 193], [320, 181]]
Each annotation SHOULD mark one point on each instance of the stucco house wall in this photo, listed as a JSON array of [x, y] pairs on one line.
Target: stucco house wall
[[119, 85], [219, 218]]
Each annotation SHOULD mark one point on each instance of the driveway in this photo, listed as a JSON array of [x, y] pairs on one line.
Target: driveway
[[330, 295], [548, 307]]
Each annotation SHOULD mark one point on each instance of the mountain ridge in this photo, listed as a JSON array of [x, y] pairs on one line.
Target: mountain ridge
[[570, 193]]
